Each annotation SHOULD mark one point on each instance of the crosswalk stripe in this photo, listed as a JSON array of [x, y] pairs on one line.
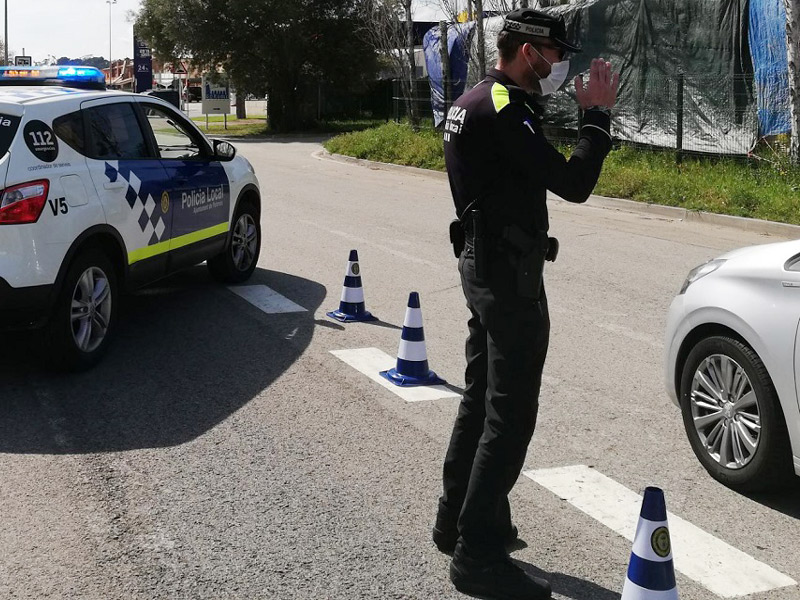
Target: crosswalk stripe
[[267, 299], [371, 361], [723, 569]]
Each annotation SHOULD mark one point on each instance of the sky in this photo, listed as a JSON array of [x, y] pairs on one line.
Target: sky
[[76, 28], [72, 28]]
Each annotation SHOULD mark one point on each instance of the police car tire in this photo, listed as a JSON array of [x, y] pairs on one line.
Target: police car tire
[[223, 267], [63, 349]]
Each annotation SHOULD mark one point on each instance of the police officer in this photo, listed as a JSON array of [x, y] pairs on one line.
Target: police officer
[[500, 167]]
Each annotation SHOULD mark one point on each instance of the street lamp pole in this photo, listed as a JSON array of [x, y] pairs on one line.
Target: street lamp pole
[[5, 39], [110, 38]]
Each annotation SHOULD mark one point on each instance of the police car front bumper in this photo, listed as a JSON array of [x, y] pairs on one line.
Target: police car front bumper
[[23, 307]]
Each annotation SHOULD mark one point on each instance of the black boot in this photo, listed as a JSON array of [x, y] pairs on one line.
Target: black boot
[[498, 580], [445, 532], [445, 536]]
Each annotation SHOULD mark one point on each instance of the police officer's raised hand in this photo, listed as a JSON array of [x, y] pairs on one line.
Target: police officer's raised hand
[[602, 87]]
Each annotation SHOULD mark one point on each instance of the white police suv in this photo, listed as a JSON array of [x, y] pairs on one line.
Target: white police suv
[[107, 191]]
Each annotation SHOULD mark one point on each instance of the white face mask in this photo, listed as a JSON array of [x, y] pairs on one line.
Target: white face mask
[[558, 75]]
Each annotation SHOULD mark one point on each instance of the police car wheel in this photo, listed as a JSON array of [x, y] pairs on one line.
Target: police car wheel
[[239, 260], [85, 313]]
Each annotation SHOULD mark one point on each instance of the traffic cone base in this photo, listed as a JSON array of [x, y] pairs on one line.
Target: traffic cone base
[[631, 591], [412, 357], [351, 307], [401, 379], [345, 317], [651, 573]]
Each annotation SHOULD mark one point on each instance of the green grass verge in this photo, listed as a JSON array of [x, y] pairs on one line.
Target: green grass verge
[[256, 125], [246, 127], [761, 189], [393, 143]]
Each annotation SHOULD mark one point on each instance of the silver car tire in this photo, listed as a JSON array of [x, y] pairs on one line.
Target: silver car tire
[[733, 417]]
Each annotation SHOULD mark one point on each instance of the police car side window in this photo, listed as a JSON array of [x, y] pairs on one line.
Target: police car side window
[[69, 128], [172, 137], [114, 132]]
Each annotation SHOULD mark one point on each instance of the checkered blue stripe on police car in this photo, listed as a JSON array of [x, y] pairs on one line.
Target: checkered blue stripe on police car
[[150, 215]]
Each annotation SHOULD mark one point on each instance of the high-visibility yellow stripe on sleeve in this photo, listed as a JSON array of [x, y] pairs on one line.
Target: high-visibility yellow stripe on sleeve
[[500, 97], [175, 243]]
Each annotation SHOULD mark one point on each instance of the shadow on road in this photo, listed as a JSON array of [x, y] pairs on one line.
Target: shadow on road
[[569, 586], [784, 501], [189, 353]]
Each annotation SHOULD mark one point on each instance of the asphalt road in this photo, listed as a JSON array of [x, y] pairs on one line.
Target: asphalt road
[[222, 452]]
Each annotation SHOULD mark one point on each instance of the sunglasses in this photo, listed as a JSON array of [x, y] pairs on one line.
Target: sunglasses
[[562, 53]]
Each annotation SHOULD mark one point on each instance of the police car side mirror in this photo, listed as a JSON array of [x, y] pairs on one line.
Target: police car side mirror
[[224, 150]]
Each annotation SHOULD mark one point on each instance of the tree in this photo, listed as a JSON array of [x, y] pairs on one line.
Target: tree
[[481, 39], [793, 46], [286, 48], [389, 27], [88, 61]]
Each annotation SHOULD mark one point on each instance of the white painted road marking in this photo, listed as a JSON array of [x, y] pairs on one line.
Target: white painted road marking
[[721, 568], [371, 361], [268, 300]]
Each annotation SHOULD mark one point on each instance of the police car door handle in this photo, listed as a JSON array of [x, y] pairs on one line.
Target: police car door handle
[[115, 185]]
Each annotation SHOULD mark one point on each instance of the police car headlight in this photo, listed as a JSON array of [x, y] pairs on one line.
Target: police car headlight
[[250, 166], [701, 271]]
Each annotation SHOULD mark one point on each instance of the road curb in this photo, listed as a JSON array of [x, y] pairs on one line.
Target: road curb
[[658, 210], [371, 164]]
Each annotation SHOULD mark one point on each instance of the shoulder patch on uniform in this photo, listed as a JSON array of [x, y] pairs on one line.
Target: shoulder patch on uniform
[[500, 97]]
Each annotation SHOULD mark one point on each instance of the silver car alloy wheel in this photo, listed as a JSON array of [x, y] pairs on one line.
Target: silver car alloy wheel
[[91, 309], [725, 411], [245, 240]]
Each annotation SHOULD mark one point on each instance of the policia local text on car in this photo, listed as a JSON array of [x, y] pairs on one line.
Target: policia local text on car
[[500, 167]]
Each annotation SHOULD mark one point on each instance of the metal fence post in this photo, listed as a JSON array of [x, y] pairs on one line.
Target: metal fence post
[[319, 101], [396, 99], [445, 54], [679, 128]]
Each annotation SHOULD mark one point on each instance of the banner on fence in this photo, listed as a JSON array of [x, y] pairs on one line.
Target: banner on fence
[[458, 37], [771, 65], [652, 42]]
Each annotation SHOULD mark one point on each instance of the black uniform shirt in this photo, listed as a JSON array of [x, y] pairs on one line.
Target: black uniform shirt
[[495, 151]]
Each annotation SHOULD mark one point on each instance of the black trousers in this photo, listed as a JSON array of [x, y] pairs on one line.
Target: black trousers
[[506, 351]]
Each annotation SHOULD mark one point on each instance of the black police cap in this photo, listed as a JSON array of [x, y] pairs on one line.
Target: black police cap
[[531, 22]]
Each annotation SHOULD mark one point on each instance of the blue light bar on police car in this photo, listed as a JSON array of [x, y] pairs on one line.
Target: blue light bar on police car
[[86, 74], [66, 76]]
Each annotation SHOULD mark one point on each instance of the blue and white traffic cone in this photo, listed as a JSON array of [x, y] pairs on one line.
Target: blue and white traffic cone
[[351, 307], [651, 574], [412, 358]]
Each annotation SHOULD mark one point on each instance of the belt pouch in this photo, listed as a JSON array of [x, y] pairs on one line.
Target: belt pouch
[[457, 237]]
